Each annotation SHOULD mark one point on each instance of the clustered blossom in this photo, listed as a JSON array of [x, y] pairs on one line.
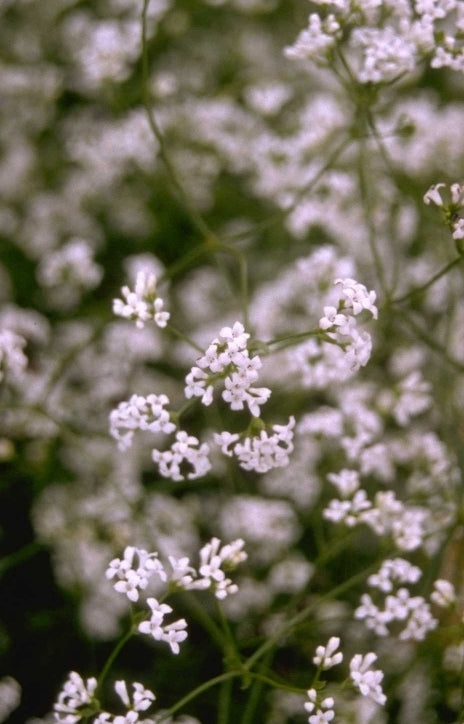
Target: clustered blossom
[[365, 679], [451, 200], [321, 712], [317, 40], [214, 560], [143, 303], [75, 694], [228, 358], [140, 413], [386, 515], [69, 270], [13, 361], [340, 324], [172, 633], [383, 40], [137, 566], [444, 594], [399, 606], [328, 656], [186, 450], [77, 702], [134, 570], [260, 452]]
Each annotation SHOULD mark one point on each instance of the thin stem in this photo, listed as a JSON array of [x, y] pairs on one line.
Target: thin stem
[[225, 696], [283, 213], [368, 213], [430, 342], [302, 615], [198, 611], [256, 689], [199, 690], [243, 266], [185, 338], [421, 289], [19, 556], [112, 657]]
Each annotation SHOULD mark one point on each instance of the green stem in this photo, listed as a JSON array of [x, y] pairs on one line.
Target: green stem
[[302, 615], [197, 691], [430, 342], [19, 556], [199, 613], [243, 266], [225, 696], [283, 213], [180, 335], [423, 288], [111, 658]]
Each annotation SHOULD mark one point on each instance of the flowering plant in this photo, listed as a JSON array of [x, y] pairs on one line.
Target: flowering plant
[[231, 361]]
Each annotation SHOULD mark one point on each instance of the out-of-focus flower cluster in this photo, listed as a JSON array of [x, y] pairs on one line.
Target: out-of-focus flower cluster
[[246, 256]]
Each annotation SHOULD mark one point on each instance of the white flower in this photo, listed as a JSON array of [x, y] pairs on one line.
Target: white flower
[[173, 633], [74, 694], [444, 594], [328, 656], [356, 296], [458, 229], [13, 361], [133, 571], [346, 481], [213, 560], [143, 304], [140, 413], [228, 357], [142, 698], [366, 680], [261, 452], [185, 451]]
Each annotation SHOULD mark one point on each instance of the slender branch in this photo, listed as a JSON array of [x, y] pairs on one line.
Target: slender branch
[[423, 288], [112, 657], [302, 615], [197, 691], [14, 559], [430, 342]]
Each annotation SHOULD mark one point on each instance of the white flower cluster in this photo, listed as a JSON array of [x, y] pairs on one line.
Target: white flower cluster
[[385, 516], [68, 271], [149, 414], [172, 633], [75, 694], [384, 39], [321, 712], [228, 358], [328, 656], [186, 450], [365, 679], [260, 452], [451, 200], [140, 413], [315, 41], [399, 606], [444, 594], [78, 696], [340, 324], [137, 566], [143, 303], [13, 361], [134, 570]]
